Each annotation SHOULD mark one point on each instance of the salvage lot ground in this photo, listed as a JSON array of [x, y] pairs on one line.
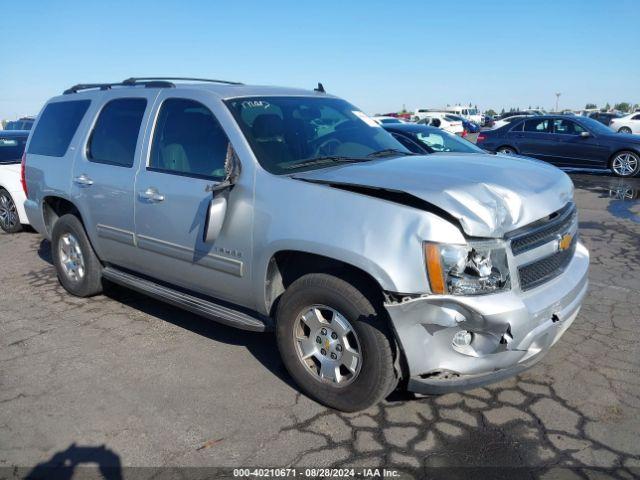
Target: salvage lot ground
[[160, 387]]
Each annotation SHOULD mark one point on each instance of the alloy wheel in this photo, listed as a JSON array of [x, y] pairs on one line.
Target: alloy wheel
[[327, 345], [71, 258], [625, 164], [8, 212]]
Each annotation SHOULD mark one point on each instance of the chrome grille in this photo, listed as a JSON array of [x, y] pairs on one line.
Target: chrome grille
[[543, 231], [547, 268]]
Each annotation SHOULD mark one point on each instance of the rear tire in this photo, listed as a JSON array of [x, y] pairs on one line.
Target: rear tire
[[624, 130], [339, 306], [506, 150], [9, 219], [78, 268]]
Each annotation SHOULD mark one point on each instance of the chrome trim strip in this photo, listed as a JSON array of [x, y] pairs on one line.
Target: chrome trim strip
[[116, 234], [209, 260]]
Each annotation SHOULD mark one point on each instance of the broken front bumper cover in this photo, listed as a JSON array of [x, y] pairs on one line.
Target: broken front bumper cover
[[510, 331]]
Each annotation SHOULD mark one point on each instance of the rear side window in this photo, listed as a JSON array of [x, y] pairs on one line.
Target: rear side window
[[539, 126], [188, 140], [56, 127], [115, 135]]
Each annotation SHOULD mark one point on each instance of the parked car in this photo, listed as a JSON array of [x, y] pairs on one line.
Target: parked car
[[565, 141], [468, 113], [383, 119], [604, 117], [277, 208], [469, 126], [627, 124], [443, 120], [423, 139], [508, 120], [24, 123], [12, 214]]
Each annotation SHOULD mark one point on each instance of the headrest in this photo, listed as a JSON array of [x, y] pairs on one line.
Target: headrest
[[267, 126]]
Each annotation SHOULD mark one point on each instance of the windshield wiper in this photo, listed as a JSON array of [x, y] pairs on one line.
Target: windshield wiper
[[325, 159], [387, 152]]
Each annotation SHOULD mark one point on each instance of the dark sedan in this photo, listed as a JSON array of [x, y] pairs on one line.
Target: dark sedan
[[12, 143], [424, 139], [567, 142]]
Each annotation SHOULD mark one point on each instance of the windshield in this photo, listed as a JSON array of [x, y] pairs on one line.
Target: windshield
[[595, 126], [287, 133], [442, 141], [11, 148]]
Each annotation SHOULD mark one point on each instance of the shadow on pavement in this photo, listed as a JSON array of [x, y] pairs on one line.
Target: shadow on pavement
[[63, 465]]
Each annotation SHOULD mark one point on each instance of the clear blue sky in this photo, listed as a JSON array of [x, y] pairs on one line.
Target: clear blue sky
[[380, 55]]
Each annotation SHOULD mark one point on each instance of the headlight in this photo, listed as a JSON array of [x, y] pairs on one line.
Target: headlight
[[473, 269]]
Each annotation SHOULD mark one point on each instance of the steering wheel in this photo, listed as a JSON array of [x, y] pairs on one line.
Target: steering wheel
[[327, 147]]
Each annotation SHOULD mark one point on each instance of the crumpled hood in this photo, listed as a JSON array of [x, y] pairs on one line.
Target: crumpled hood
[[489, 194]]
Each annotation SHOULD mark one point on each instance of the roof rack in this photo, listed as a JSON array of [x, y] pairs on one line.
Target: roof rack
[[107, 86], [147, 82], [136, 80]]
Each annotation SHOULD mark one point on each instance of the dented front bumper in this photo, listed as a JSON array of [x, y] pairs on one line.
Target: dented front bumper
[[511, 331]]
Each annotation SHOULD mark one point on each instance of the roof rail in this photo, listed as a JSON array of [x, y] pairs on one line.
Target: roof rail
[[136, 80], [107, 86]]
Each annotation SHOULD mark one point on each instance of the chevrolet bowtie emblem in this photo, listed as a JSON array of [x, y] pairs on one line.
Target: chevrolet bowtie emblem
[[565, 241]]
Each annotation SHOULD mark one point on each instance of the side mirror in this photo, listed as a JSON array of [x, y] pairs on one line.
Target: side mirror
[[585, 134], [217, 211]]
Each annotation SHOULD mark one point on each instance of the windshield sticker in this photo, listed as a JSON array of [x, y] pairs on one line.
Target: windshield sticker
[[255, 104], [365, 118]]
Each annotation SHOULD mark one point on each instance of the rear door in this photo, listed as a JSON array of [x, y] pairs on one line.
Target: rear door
[[575, 150], [187, 155], [536, 139], [104, 173]]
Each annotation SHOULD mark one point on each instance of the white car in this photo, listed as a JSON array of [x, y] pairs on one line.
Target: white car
[[12, 196], [628, 124], [442, 120], [386, 119]]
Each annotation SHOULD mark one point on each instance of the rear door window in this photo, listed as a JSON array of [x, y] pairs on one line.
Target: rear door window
[[115, 135], [536, 125], [56, 127]]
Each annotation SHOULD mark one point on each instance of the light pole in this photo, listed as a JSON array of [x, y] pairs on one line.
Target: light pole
[[557, 100]]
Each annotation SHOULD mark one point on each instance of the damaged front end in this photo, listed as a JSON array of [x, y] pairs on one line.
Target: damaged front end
[[453, 342]]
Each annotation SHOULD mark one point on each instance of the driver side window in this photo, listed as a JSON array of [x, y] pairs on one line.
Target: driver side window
[[188, 140]]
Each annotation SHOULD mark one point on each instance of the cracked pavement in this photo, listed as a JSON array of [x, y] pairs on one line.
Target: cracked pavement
[[161, 387]]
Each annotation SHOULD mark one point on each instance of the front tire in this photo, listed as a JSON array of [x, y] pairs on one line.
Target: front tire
[[335, 343], [625, 164], [78, 268], [9, 219]]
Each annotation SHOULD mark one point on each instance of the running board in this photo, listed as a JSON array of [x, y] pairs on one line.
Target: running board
[[199, 306]]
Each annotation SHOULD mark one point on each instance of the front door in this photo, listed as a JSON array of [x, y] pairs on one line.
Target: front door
[[104, 174], [187, 155], [576, 150]]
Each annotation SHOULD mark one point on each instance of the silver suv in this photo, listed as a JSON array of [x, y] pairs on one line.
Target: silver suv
[[280, 209]]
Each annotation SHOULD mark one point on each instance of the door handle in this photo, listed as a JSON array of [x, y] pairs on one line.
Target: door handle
[[151, 194], [83, 180]]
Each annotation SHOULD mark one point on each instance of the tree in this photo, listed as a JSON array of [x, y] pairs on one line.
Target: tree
[[491, 112], [590, 106], [607, 107], [502, 112], [623, 106]]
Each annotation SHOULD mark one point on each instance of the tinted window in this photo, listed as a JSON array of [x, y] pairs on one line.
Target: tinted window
[[442, 141], [637, 117], [188, 140], [408, 144], [56, 127], [517, 127], [11, 148], [115, 134], [291, 133], [536, 125], [562, 126]]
